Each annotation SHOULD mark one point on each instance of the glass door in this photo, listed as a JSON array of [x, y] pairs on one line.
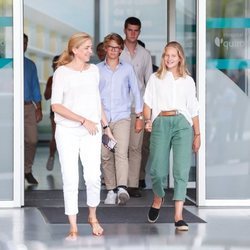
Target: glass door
[[183, 30], [11, 142], [227, 102]]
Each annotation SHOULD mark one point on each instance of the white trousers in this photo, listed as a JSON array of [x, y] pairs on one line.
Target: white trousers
[[72, 143]]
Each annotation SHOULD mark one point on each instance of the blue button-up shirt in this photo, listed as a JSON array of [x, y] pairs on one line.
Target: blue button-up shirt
[[116, 88], [31, 83]]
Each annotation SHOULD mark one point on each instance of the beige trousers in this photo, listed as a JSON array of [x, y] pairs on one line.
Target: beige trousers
[[30, 137], [115, 165], [135, 147]]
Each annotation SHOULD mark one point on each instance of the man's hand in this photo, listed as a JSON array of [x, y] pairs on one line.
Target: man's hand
[[39, 115]]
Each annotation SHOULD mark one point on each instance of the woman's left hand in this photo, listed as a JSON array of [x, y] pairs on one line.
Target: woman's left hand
[[196, 143], [90, 126]]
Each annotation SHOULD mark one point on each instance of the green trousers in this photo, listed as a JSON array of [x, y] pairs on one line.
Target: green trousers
[[170, 132]]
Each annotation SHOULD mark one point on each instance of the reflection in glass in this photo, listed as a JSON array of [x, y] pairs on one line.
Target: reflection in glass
[[227, 100]]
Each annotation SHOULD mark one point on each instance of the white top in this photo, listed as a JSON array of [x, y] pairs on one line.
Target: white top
[[170, 94], [142, 64], [77, 91]]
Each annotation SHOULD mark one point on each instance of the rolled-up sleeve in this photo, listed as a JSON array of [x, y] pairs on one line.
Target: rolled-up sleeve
[[148, 95], [192, 102]]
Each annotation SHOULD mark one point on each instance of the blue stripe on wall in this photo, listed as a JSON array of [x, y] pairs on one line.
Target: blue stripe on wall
[[223, 23], [6, 62], [228, 64], [6, 21]]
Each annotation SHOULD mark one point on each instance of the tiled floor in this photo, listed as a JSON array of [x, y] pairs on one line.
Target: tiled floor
[[26, 229]]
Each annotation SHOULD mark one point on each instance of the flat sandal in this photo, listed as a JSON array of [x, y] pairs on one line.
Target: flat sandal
[[95, 225]]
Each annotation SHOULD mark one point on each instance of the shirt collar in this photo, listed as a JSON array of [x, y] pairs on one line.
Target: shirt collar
[[120, 62], [135, 50]]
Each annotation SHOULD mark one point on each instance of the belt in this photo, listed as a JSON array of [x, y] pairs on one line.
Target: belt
[[27, 102], [169, 113]]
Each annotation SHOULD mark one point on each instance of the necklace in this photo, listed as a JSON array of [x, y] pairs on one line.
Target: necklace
[[82, 68], [79, 66]]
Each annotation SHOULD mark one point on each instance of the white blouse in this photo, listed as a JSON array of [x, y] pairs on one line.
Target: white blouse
[[77, 91], [170, 94]]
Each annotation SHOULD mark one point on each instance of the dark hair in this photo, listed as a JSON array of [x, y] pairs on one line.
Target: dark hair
[[141, 43], [25, 36], [99, 46], [114, 37], [133, 21]]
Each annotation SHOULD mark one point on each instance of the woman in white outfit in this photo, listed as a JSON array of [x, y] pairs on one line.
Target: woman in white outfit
[[78, 116]]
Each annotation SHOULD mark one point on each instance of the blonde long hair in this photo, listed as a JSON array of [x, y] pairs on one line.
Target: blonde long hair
[[183, 71], [75, 41]]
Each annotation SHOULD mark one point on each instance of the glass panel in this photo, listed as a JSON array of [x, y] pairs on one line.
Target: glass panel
[[154, 30], [6, 101], [186, 35], [227, 100], [48, 30]]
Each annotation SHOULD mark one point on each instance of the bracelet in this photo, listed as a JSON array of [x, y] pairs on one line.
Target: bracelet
[[197, 134], [147, 120], [104, 127]]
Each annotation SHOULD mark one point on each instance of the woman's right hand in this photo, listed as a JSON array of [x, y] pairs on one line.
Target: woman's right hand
[[90, 126]]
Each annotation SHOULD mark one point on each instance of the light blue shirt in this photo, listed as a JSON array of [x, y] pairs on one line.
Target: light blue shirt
[[116, 88], [31, 83]]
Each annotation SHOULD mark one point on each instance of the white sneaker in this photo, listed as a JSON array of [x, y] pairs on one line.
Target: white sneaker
[[111, 198], [50, 163], [123, 196]]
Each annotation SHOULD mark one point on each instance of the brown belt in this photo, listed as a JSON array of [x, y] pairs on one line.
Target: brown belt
[[169, 113], [27, 102]]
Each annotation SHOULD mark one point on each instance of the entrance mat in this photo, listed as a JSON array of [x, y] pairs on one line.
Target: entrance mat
[[115, 215], [54, 198]]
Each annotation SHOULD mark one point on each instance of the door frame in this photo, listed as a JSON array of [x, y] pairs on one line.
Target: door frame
[[18, 135]]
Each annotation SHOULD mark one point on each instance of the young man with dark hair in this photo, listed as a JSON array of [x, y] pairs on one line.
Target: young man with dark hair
[[141, 61]]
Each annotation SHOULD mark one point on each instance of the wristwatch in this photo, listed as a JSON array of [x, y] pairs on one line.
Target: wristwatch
[[140, 117]]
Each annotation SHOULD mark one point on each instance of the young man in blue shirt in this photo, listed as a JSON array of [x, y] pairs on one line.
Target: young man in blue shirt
[[117, 83]]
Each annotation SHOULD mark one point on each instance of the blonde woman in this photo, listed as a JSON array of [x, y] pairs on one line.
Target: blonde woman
[[171, 115], [78, 116]]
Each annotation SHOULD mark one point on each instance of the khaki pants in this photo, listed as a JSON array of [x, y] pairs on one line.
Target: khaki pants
[[115, 165], [30, 137], [135, 147]]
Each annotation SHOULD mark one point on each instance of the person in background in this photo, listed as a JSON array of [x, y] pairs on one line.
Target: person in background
[[100, 51], [117, 83], [141, 61], [47, 96], [78, 115], [32, 113], [171, 115], [145, 142]]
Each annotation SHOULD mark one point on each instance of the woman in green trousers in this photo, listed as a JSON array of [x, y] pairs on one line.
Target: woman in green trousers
[[171, 115]]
